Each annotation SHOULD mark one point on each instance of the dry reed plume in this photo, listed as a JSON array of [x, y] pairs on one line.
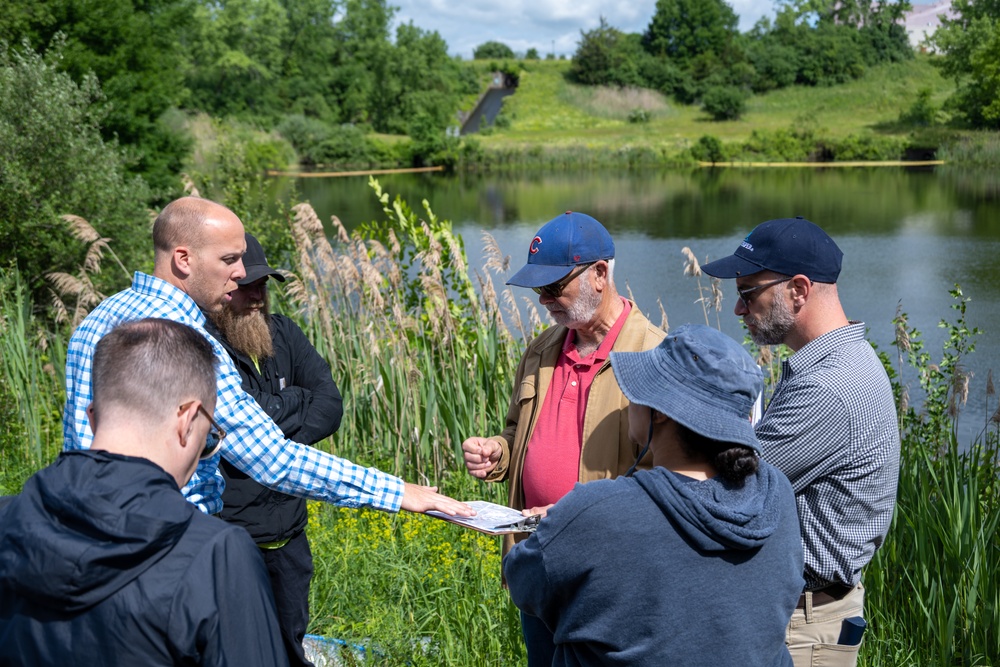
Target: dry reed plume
[[710, 298], [80, 287], [499, 264], [664, 323]]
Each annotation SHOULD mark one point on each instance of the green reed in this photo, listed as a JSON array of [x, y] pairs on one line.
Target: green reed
[[31, 386], [933, 590]]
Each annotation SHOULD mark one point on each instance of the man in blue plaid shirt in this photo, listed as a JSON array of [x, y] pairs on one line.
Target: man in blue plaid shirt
[[199, 246], [831, 425]]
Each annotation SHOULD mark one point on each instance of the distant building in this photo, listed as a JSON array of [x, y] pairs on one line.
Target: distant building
[[924, 19]]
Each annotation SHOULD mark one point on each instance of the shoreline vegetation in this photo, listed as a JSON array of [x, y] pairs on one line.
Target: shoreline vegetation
[[891, 115], [424, 348]]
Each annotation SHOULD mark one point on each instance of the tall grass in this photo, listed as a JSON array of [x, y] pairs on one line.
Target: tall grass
[[933, 590], [31, 386], [979, 149], [424, 357], [615, 102], [425, 361]]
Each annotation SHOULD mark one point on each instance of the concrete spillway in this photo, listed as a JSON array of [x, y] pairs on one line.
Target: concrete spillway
[[486, 110]]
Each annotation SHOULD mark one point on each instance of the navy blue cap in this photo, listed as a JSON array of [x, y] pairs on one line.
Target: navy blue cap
[[256, 264], [566, 241], [699, 377], [789, 246]]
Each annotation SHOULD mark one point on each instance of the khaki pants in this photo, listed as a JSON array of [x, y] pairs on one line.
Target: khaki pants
[[813, 632]]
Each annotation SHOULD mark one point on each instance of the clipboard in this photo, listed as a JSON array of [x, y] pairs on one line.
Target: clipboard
[[492, 519]]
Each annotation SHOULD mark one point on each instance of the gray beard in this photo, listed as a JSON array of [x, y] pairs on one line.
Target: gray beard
[[773, 327], [249, 333]]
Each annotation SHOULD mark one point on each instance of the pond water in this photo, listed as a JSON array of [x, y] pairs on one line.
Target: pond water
[[908, 236]]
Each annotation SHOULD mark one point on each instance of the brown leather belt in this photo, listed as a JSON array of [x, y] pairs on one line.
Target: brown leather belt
[[825, 595]]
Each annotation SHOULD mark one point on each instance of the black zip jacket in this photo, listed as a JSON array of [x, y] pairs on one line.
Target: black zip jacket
[[103, 562], [295, 388]]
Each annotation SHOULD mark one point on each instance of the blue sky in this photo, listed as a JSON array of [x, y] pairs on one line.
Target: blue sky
[[542, 24]]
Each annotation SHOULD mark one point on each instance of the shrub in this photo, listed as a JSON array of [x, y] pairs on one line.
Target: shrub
[[638, 116], [922, 111], [709, 149], [780, 145], [345, 144], [431, 146], [724, 102], [305, 135], [868, 147]]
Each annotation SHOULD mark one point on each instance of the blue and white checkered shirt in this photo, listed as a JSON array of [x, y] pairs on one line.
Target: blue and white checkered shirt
[[831, 427], [253, 443]]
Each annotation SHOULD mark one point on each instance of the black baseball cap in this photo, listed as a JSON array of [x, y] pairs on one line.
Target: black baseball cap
[[255, 263], [789, 246]]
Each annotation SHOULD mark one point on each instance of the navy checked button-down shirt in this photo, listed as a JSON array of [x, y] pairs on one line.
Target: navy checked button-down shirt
[[832, 428], [253, 443]]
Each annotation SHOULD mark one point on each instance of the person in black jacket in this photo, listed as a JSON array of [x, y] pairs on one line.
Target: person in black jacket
[[102, 560], [282, 371]]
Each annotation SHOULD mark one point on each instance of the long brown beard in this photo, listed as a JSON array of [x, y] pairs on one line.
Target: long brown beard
[[249, 333]]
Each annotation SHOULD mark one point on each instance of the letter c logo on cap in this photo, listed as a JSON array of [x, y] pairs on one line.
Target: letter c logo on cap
[[534, 243]]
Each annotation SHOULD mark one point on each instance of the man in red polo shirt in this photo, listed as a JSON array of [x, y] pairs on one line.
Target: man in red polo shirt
[[568, 419]]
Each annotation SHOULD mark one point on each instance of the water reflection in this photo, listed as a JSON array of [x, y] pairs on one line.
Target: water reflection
[[908, 235]]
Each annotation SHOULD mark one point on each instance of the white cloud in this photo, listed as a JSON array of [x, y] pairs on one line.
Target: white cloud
[[522, 24], [542, 24]]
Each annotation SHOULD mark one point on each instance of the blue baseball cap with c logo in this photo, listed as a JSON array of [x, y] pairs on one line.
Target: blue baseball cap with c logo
[[568, 240]]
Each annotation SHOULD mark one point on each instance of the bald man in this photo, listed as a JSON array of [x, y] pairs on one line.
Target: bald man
[[199, 247]]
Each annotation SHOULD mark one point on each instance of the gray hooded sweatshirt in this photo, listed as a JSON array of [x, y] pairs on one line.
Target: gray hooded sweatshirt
[[661, 569]]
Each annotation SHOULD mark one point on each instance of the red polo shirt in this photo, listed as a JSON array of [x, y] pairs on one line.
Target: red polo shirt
[[552, 461]]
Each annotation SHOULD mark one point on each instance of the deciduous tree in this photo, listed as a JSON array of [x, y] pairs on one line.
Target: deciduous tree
[[53, 162], [492, 49], [971, 52], [685, 29]]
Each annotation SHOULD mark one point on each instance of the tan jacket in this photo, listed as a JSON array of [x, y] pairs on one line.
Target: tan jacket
[[607, 451]]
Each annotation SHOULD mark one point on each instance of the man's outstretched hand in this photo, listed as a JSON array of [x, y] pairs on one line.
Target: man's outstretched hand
[[419, 499]]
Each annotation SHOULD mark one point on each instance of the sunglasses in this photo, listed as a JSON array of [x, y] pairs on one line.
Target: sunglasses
[[747, 295], [555, 289], [213, 441]]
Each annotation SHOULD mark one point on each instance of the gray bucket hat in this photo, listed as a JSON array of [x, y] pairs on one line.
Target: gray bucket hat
[[699, 377]]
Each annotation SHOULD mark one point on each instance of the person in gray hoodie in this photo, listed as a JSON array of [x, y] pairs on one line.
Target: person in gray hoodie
[[694, 562]]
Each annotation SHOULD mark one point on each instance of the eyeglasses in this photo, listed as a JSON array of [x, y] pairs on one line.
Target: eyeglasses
[[555, 289], [213, 441], [747, 295]]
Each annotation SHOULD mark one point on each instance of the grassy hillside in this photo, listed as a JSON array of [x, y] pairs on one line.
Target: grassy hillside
[[548, 110]]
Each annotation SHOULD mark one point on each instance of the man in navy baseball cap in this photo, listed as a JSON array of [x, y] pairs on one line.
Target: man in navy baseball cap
[[567, 421], [797, 258], [830, 426], [787, 246]]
